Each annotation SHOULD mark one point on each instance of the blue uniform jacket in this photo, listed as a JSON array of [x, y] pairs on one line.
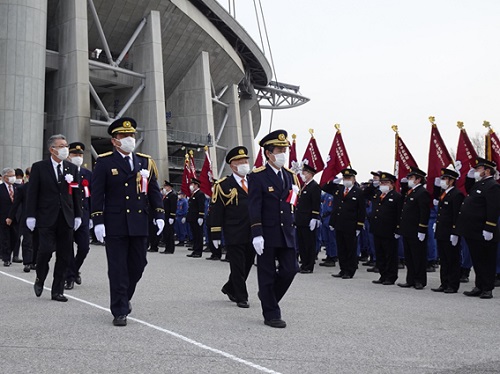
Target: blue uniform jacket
[[85, 174], [182, 207]]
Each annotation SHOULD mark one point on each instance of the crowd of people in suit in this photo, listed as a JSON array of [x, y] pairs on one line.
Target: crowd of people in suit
[[270, 215]]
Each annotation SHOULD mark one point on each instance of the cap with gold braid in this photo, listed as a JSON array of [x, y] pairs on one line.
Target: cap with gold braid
[[384, 176], [485, 163], [277, 138], [449, 173], [76, 147], [237, 153], [125, 125], [348, 172]]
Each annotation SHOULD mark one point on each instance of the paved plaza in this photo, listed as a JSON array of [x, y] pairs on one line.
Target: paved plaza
[[182, 323]]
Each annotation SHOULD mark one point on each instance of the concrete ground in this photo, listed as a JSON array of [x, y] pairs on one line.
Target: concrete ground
[[182, 323]]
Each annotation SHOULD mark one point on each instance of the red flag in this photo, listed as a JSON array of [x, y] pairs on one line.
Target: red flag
[[312, 157], [337, 159], [439, 157], [293, 152], [466, 155], [259, 161], [206, 175], [188, 173], [403, 160]]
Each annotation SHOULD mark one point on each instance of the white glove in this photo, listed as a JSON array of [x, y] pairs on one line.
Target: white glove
[[434, 227], [358, 232], [331, 228], [170, 221], [421, 236], [453, 240], [77, 224], [314, 223], [200, 221], [404, 180], [337, 180], [160, 223], [183, 220], [470, 173], [397, 236], [216, 243], [258, 244], [91, 224], [435, 202], [437, 182], [487, 235], [100, 232], [31, 223]]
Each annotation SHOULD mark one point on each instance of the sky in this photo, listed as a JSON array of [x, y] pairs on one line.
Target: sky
[[370, 64]]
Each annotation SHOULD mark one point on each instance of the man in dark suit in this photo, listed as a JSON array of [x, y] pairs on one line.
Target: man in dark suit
[[448, 241], [54, 208], [413, 226], [8, 231], [478, 224], [170, 206], [125, 196], [347, 219], [384, 217], [196, 216], [81, 236], [229, 215], [307, 218], [273, 193]]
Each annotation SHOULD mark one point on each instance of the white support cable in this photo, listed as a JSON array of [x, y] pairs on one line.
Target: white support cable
[[131, 100], [268, 43], [93, 152], [220, 102], [131, 41], [104, 66], [98, 101], [222, 92], [101, 33], [222, 126], [258, 25]]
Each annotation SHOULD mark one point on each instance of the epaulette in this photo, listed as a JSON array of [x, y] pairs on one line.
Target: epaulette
[[106, 154], [220, 180], [290, 170], [143, 155], [259, 169]]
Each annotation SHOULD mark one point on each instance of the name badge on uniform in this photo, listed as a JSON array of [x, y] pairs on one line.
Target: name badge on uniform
[[445, 203], [391, 199], [114, 171], [354, 198], [270, 189], [478, 191]]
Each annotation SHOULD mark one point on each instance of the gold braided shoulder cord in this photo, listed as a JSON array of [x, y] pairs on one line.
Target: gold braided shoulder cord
[[230, 197]]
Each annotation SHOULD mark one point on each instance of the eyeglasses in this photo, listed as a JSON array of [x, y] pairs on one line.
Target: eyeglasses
[[60, 146]]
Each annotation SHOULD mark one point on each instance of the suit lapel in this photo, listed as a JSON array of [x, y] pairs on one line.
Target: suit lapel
[[50, 171], [121, 162]]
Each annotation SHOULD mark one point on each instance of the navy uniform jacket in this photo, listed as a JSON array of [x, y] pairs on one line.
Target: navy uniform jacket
[[229, 212], [271, 216], [309, 204], [349, 211], [415, 213], [170, 205], [85, 175], [5, 202], [480, 210], [196, 207], [385, 213], [46, 196], [447, 216], [17, 211], [116, 200]]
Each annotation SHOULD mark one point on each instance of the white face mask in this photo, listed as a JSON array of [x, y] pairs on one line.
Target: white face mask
[[376, 183], [280, 160], [78, 160], [191, 188], [411, 183], [477, 175], [347, 184], [11, 180], [243, 169], [163, 191], [18, 181], [127, 144], [62, 153], [303, 177], [443, 184], [384, 189]]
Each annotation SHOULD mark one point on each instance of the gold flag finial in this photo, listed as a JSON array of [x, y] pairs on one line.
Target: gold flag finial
[[186, 157], [294, 136], [337, 126], [191, 152], [311, 131], [205, 148], [460, 125], [432, 120], [486, 124], [394, 128]]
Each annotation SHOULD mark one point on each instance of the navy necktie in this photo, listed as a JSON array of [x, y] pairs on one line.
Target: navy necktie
[[59, 174]]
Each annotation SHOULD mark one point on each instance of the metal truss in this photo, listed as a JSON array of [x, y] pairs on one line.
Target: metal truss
[[278, 95]]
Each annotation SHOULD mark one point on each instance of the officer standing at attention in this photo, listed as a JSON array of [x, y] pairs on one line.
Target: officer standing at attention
[[229, 214], [477, 223], [196, 216], [273, 192], [448, 242], [81, 236], [170, 206], [413, 228], [307, 218], [347, 219], [124, 188]]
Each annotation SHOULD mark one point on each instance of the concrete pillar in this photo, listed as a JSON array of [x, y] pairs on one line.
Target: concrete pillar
[[232, 135], [23, 30], [149, 108], [68, 93], [249, 136]]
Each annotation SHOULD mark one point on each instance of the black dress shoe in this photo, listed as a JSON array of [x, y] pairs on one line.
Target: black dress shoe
[[405, 285], [450, 290], [213, 258], [439, 289], [33, 266], [206, 250], [430, 269], [229, 295], [278, 323], [78, 279], [152, 249], [305, 271], [378, 281], [327, 263], [419, 286], [6, 263], [194, 255], [179, 244], [27, 268], [486, 295], [69, 285], [464, 279], [17, 260], [120, 321], [474, 292], [373, 270], [167, 252], [339, 275], [59, 297], [38, 286], [242, 304], [388, 283], [346, 276], [225, 259]]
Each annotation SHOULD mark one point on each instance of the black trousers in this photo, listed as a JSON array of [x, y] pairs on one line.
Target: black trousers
[[415, 260], [82, 239], [273, 283], [8, 240], [154, 240], [126, 262], [386, 251], [240, 261], [197, 232], [27, 246], [484, 255], [169, 237], [346, 248], [307, 247], [59, 239], [450, 266]]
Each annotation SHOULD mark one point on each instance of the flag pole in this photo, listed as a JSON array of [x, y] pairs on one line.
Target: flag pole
[[395, 129], [487, 141]]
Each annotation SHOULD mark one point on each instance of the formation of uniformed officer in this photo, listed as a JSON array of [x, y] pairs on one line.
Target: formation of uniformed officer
[[327, 235], [125, 195], [307, 218], [273, 192], [229, 216], [347, 220], [81, 237], [478, 224], [448, 241], [170, 205], [196, 217], [384, 218], [413, 228]]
